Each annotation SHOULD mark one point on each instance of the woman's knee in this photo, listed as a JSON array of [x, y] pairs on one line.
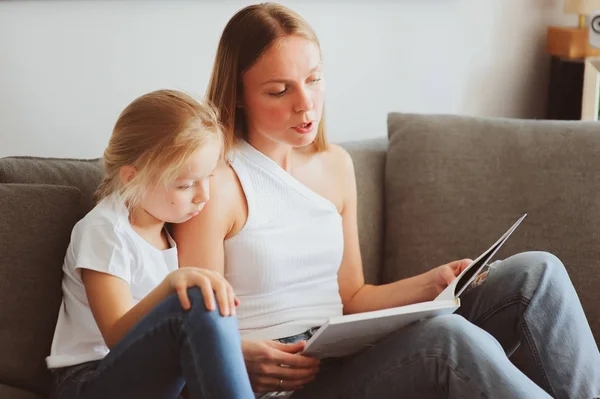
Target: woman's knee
[[455, 333], [535, 269]]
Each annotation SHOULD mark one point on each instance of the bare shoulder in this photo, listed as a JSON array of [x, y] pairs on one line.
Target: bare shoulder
[[224, 181], [339, 161], [229, 198], [217, 217]]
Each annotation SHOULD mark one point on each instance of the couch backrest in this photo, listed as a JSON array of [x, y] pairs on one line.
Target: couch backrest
[[41, 200], [369, 158], [454, 184], [84, 174]]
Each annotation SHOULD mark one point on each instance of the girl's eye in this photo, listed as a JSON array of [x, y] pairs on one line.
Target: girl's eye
[[315, 80], [185, 187]]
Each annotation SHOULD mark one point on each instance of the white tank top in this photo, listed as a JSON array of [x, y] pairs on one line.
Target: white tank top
[[283, 264]]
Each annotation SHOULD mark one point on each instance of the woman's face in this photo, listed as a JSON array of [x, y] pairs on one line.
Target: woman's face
[[284, 92]]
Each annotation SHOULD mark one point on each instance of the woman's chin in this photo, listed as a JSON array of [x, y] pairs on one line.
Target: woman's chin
[[302, 140]]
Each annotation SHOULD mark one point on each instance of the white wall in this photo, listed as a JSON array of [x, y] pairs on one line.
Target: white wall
[[67, 68]]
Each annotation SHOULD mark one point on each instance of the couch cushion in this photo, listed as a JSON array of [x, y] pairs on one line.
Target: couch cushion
[[454, 184], [8, 392], [34, 234], [85, 174], [368, 157]]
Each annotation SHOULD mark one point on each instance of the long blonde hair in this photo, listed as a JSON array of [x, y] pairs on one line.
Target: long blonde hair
[[248, 35], [157, 133]]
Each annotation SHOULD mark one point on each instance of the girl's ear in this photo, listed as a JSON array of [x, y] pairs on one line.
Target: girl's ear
[[127, 173]]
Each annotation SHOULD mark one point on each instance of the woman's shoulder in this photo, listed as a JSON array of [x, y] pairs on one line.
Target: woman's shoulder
[[225, 181], [337, 161], [226, 208], [339, 155]]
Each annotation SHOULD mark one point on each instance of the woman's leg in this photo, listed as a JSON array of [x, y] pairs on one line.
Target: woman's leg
[[443, 357], [167, 348], [528, 300]]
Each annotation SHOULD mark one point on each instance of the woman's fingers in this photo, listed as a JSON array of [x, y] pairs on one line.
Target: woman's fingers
[[278, 372], [270, 384]]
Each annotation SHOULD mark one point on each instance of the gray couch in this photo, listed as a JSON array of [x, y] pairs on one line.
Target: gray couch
[[442, 188]]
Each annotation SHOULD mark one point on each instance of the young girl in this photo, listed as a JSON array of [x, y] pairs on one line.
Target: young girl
[[282, 227], [132, 324]]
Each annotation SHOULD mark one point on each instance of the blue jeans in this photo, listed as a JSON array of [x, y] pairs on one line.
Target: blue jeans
[[526, 303], [168, 348]]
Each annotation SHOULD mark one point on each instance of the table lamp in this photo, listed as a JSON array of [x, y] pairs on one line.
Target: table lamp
[[573, 42]]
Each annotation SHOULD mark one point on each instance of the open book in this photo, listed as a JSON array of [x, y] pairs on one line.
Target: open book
[[349, 334]]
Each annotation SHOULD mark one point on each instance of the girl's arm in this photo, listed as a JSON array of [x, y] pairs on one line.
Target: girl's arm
[[113, 307], [112, 304], [360, 297]]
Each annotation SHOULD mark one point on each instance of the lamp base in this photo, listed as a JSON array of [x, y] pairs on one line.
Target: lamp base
[[570, 42]]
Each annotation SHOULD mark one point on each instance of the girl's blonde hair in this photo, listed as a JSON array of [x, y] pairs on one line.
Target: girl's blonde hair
[[248, 35], [157, 133]]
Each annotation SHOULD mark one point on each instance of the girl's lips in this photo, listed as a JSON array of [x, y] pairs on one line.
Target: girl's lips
[[305, 128]]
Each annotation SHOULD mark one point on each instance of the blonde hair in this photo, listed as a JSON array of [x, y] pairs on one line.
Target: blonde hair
[[248, 35], [157, 133]]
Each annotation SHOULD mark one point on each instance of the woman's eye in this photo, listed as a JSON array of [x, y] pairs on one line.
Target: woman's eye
[[315, 80], [186, 187], [278, 94]]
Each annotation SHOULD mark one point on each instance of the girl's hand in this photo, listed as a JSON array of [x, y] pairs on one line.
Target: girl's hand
[[212, 284], [273, 366], [442, 276]]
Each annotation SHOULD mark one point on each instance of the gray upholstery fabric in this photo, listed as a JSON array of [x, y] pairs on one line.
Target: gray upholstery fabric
[[85, 174], [368, 157], [35, 228], [455, 184], [8, 392]]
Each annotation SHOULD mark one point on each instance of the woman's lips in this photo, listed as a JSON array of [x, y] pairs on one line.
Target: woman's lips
[[305, 128]]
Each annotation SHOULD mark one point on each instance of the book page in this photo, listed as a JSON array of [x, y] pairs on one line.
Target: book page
[[346, 335], [464, 279]]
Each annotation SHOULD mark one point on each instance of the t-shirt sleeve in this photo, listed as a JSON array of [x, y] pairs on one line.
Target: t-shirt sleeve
[[102, 249]]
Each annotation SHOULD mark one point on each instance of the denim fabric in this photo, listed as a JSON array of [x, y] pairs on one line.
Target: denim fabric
[[168, 348], [526, 300]]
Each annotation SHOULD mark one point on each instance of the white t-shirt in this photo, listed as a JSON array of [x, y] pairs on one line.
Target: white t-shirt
[[103, 241]]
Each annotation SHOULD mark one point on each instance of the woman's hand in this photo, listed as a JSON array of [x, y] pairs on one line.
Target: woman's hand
[[212, 284], [442, 276], [273, 366]]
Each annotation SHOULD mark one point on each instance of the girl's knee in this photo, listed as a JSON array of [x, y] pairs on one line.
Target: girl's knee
[[199, 310]]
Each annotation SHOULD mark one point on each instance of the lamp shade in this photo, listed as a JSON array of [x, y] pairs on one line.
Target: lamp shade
[[581, 7]]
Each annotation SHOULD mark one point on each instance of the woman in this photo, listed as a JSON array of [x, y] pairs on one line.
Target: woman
[[282, 227]]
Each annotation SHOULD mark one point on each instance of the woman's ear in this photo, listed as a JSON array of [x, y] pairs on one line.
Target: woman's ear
[[127, 173]]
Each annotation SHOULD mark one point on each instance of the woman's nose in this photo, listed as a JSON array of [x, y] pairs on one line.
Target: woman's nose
[[303, 102]]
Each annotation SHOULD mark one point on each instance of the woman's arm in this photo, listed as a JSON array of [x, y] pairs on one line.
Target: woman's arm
[[200, 243], [200, 239], [360, 297]]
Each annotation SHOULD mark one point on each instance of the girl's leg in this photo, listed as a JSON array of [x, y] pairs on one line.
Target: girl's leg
[[443, 357], [167, 348], [528, 300]]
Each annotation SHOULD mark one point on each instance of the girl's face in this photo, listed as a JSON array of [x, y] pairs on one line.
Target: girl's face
[[284, 92], [186, 196]]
